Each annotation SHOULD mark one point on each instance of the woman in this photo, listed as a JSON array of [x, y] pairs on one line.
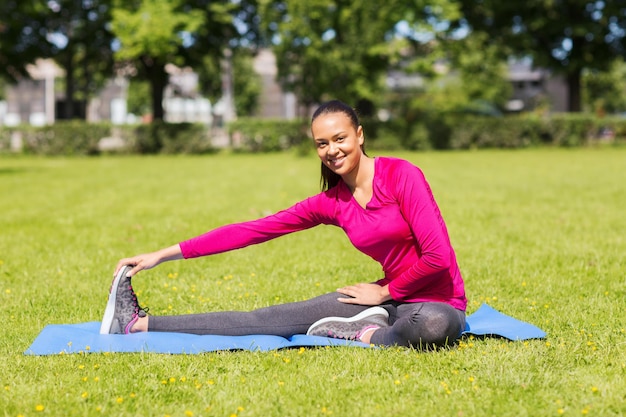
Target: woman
[[386, 208]]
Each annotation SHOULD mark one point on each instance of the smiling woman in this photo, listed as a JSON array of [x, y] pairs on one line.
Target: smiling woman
[[385, 207]]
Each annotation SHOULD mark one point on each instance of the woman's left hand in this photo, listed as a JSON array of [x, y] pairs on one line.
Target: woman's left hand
[[365, 294]]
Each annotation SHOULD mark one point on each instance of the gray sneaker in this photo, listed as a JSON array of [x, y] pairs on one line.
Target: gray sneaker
[[122, 310], [350, 328]]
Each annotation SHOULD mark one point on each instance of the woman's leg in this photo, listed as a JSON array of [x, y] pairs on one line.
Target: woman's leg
[[421, 325], [280, 320]]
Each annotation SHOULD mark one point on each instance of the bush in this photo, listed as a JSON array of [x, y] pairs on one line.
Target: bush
[[261, 135], [428, 130], [171, 138], [5, 140], [64, 138]]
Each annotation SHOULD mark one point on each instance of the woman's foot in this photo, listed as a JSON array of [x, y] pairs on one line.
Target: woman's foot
[[123, 312], [359, 327]]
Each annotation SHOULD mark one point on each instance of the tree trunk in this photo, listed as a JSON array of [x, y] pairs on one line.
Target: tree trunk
[[573, 88], [158, 81], [68, 109]]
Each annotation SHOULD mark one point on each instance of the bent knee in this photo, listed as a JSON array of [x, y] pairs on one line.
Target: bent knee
[[436, 326]]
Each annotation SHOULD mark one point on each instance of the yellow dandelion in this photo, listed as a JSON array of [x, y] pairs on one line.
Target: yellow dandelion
[[172, 380], [560, 411], [119, 400], [594, 389], [84, 394], [240, 409], [189, 413], [39, 407], [397, 382], [132, 395], [7, 291], [585, 411], [96, 379]]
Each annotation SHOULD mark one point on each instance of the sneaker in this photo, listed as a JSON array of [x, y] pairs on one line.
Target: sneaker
[[122, 310], [350, 328]]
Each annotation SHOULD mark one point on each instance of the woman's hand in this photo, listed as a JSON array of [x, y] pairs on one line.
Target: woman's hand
[[365, 294], [149, 260]]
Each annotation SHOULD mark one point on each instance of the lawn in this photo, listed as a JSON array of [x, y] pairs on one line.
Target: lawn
[[540, 235]]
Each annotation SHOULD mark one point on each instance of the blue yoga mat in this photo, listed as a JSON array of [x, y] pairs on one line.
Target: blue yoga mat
[[85, 337]]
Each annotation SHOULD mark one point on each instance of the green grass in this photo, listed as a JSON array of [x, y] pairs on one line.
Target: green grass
[[539, 234]]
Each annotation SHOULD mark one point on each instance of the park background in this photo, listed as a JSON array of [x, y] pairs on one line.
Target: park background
[[514, 110]]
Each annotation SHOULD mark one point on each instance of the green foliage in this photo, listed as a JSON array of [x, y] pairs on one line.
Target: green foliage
[[604, 92], [538, 234], [64, 138], [73, 33], [342, 49], [263, 135], [564, 36], [483, 71], [171, 138], [153, 29], [138, 97], [246, 81], [21, 37]]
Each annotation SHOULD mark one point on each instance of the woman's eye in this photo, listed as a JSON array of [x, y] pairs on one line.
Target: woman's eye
[[340, 139]]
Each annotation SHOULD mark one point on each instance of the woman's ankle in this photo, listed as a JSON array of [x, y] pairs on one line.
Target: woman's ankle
[[141, 325]]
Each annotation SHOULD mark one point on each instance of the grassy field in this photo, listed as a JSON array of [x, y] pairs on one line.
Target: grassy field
[[539, 234]]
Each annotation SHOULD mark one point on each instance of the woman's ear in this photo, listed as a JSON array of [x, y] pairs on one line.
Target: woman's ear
[[359, 135]]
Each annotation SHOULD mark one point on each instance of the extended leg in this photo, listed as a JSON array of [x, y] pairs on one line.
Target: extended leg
[[281, 320]]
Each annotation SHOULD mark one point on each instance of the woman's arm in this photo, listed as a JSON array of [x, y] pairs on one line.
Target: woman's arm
[[150, 260], [420, 210]]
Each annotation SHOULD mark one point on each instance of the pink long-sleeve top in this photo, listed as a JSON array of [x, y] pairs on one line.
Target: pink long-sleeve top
[[401, 227]]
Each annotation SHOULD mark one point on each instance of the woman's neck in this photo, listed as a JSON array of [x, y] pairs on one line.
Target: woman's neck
[[362, 176]]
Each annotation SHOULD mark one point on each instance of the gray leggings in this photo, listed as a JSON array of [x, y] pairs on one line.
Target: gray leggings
[[419, 325]]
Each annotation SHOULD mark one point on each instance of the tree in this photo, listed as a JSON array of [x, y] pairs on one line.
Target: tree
[[151, 34], [194, 33], [20, 36], [72, 32], [81, 43], [605, 91], [343, 48], [565, 36]]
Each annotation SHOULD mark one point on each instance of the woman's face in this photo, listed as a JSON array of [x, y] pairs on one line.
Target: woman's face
[[337, 142]]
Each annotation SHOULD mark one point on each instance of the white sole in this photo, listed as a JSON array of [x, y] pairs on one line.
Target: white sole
[[109, 311], [363, 314]]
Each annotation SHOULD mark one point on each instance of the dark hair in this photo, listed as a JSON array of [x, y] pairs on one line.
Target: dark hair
[[328, 178]]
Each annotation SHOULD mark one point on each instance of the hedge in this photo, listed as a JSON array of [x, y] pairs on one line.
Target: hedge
[[431, 131]]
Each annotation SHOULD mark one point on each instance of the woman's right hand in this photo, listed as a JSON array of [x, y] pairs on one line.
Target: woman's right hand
[[149, 260]]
